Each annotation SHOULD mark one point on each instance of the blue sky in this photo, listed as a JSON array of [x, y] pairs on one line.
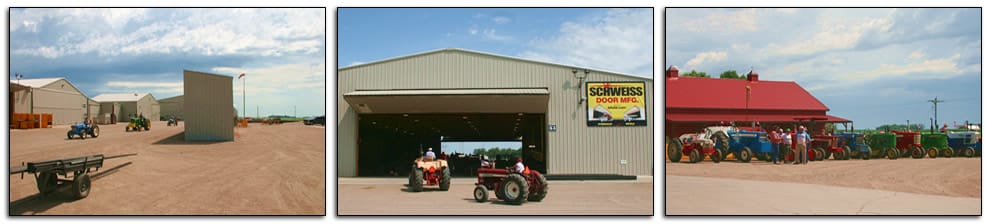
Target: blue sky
[[619, 40], [121, 50], [872, 66]]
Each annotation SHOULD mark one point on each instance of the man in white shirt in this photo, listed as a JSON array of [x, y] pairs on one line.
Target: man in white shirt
[[519, 166], [430, 155]]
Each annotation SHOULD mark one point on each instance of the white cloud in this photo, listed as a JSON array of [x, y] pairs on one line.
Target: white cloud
[[621, 40], [941, 68], [787, 10], [741, 20], [832, 34], [711, 56], [501, 20], [918, 54], [195, 31], [356, 63], [491, 34], [473, 30]]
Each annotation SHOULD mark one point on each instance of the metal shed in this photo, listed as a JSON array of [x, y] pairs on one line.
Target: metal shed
[[172, 106], [56, 96], [208, 116], [473, 95], [124, 105]]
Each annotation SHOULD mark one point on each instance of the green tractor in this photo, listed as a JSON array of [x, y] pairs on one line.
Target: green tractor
[[937, 145], [137, 123], [883, 145]]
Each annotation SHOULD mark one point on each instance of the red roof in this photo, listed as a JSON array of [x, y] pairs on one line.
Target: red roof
[[690, 92], [753, 117]]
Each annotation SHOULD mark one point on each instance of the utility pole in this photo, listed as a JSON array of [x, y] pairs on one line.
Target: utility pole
[[935, 103]]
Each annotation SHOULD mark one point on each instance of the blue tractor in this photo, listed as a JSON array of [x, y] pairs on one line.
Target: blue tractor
[[966, 143], [855, 145], [84, 129], [747, 144]]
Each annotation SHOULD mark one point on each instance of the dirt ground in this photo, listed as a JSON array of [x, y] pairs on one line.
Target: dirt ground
[[276, 169], [389, 196], [957, 177]]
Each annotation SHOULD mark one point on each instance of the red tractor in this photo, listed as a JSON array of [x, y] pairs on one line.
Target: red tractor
[[829, 145], [510, 186], [431, 173], [909, 143]]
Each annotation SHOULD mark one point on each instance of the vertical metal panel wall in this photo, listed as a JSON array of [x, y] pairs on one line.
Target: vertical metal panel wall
[[65, 103], [574, 148], [172, 106], [208, 114]]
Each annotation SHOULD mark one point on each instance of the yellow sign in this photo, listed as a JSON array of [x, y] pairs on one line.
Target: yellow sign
[[616, 103]]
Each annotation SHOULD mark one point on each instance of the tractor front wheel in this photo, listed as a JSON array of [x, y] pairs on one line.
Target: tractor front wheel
[[917, 153], [948, 152], [674, 150], [693, 156], [892, 153], [716, 156], [866, 156], [481, 194], [514, 189], [69, 134], [543, 192], [744, 155], [94, 132], [932, 152], [968, 152]]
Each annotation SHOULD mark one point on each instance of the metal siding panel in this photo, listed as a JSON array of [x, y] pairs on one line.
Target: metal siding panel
[[209, 104]]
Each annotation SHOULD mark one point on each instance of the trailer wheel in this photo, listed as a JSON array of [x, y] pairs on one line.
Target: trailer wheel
[[674, 150], [47, 182], [693, 156], [543, 192], [81, 185], [443, 184], [892, 153], [932, 152], [418, 176], [744, 155], [481, 194], [514, 189], [716, 156]]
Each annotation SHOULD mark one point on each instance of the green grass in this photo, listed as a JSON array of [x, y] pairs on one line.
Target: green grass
[[292, 119]]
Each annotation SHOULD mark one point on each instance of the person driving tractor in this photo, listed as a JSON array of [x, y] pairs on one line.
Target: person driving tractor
[[520, 165], [485, 162], [429, 156]]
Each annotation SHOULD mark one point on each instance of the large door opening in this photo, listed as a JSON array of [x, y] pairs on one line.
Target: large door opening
[[388, 143]]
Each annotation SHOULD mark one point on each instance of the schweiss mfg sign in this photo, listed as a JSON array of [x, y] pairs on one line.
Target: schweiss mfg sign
[[616, 103]]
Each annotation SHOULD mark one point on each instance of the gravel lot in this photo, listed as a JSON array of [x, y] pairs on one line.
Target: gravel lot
[[389, 196], [267, 170]]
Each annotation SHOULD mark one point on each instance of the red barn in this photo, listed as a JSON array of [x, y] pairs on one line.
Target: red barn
[[693, 103]]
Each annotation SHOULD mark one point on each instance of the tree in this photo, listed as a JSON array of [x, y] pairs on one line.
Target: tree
[[731, 74], [693, 73]]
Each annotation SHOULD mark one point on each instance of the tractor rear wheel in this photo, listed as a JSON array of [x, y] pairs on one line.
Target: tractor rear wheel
[[693, 156], [446, 180], [847, 150], [822, 155], [674, 150], [716, 156], [514, 189], [69, 134], [481, 194], [721, 143], [932, 152], [417, 177], [744, 155], [543, 192], [81, 185]]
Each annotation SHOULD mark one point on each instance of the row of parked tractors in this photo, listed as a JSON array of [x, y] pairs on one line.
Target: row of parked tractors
[[718, 142]]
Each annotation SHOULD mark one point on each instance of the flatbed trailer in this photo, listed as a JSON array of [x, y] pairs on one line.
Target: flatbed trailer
[[46, 173]]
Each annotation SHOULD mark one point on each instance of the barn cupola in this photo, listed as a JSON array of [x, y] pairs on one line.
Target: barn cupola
[[752, 76], [672, 72]]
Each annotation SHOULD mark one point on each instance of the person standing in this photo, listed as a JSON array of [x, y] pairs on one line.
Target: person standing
[[802, 139], [775, 140], [785, 143]]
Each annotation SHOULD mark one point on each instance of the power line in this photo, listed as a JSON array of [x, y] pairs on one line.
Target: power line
[[935, 102]]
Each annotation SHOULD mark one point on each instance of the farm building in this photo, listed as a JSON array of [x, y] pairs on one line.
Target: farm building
[[56, 96], [120, 106], [172, 106], [568, 120], [694, 103], [209, 116]]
